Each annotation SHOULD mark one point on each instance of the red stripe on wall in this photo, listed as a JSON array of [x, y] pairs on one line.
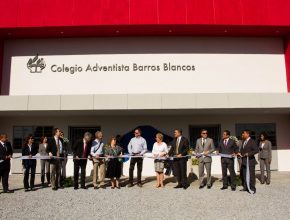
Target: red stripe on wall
[[287, 61]]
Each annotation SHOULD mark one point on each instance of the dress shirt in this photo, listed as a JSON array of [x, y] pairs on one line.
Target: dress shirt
[[60, 144], [137, 145]]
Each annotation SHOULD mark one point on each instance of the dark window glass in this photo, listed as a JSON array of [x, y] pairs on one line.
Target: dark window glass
[[214, 132], [21, 132], [257, 128]]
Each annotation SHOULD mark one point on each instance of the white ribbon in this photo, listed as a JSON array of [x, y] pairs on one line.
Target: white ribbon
[[149, 155], [248, 177]]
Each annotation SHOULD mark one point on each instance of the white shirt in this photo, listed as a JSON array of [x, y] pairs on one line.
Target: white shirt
[[262, 145], [60, 144], [226, 141], [178, 141], [159, 148], [2, 143], [30, 147]]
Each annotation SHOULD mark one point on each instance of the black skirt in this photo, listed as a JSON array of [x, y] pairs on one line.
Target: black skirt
[[114, 167]]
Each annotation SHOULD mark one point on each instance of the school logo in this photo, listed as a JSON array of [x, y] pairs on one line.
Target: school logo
[[36, 64]]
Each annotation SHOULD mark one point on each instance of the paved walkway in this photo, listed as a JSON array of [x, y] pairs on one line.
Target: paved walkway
[[270, 202]]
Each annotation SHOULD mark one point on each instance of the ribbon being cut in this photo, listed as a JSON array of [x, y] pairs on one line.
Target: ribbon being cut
[[127, 156]]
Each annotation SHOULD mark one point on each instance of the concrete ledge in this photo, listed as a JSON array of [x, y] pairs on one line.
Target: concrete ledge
[[77, 102], [142, 101], [145, 101], [43, 103], [13, 103], [110, 102]]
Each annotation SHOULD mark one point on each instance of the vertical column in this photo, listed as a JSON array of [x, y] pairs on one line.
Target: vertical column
[[287, 60], [1, 61]]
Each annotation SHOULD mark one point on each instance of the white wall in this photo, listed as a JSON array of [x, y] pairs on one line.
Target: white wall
[[222, 65]]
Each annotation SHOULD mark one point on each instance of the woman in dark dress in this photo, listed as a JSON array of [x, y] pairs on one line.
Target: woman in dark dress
[[29, 165], [114, 165]]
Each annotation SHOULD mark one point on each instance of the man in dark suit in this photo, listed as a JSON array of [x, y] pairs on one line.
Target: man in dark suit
[[6, 153], [248, 150], [55, 149], [81, 151], [228, 147], [179, 148]]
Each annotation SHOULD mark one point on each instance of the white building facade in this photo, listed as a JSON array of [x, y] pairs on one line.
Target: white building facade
[[118, 84]]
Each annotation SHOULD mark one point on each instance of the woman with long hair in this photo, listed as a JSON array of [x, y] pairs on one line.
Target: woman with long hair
[[45, 168], [265, 157], [29, 165]]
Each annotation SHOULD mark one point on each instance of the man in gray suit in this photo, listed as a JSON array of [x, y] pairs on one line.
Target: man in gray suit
[[204, 146]]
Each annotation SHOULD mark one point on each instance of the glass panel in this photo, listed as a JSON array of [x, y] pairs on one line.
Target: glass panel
[[213, 132], [257, 128]]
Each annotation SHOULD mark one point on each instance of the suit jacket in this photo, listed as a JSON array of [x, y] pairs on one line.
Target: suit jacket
[[251, 148], [230, 148], [182, 149], [26, 152], [52, 148], [208, 146], [3, 154], [78, 149], [266, 151]]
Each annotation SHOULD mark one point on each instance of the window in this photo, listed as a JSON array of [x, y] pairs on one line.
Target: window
[[214, 132], [21, 132], [257, 128], [76, 133]]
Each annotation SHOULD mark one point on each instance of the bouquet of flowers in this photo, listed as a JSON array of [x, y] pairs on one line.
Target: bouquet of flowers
[[235, 139]]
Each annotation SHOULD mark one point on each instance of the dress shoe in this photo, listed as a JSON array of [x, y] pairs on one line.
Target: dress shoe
[[201, 186], [75, 188], [26, 190], [8, 191], [178, 187], [185, 187], [243, 190], [130, 185], [209, 186], [32, 189], [233, 189], [84, 187], [223, 188], [139, 185], [54, 188]]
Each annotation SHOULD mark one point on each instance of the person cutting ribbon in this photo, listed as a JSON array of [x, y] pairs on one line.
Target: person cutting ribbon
[[248, 150]]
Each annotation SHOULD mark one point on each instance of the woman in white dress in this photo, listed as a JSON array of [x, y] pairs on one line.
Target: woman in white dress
[[159, 150]]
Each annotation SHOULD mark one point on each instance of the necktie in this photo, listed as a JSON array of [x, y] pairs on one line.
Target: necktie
[[245, 143], [225, 142], [177, 146], [203, 142], [85, 149]]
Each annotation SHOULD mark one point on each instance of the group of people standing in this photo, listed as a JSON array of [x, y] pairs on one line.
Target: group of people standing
[[108, 161]]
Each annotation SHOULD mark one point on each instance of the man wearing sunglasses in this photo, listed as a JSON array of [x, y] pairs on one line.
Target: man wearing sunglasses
[[204, 147]]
